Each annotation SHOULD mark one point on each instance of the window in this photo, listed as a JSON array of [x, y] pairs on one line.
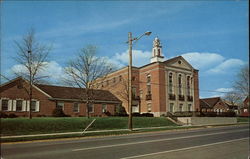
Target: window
[[91, 108], [179, 83], [76, 107], [114, 80], [149, 106], [159, 52], [133, 91], [19, 105], [120, 78], [141, 93], [189, 107], [133, 78], [149, 89], [188, 86], [104, 108], [148, 78], [33, 106], [170, 81], [5, 105], [180, 107], [60, 105], [171, 107]]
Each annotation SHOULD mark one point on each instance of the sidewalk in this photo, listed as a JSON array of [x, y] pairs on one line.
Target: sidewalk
[[96, 131]]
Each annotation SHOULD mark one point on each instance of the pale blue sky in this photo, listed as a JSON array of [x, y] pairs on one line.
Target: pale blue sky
[[211, 35]]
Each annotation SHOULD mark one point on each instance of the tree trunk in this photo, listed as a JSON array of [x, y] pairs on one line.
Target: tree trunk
[[30, 99]]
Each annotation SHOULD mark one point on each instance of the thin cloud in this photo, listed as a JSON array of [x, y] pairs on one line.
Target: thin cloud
[[53, 70], [226, 66], [139, 58], [203, 60], [80, 29]]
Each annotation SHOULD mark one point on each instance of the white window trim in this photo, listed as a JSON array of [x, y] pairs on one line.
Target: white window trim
[[106, 108], [93, 109], [78, 107], [22, 104], [10, 104], [60, 102]]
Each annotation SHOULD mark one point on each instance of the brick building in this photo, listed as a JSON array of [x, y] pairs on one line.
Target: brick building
[[216, 104], [158, 87], [14, 99], [245, 110]]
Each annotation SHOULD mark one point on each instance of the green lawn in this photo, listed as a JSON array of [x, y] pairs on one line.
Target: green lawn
[[22, 126], [243, 119]]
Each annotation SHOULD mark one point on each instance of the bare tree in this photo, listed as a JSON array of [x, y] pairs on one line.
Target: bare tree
[[241, 85], [86, 71], [31, 55], [233, 97]]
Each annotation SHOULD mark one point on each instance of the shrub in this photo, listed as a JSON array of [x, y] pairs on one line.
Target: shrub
[[58, 112], [107, 113], [147, 115], [136, 114], [120, 111], [12, 115], [3, 115]]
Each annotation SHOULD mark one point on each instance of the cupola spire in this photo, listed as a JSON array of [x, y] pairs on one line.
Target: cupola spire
[[157, 55]]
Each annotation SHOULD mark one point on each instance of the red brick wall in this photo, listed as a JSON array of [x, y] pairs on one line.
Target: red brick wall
[[12, 92], [196, 90], [46, 106], [221, 105]]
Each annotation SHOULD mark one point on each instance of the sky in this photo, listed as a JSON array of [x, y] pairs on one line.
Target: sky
[[211, 35]]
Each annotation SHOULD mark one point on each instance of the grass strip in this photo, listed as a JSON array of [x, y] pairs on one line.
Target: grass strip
[[109, 133], [24, 126]]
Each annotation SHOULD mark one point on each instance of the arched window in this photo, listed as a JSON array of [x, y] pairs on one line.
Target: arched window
[[170, 82], [188, 86], [180, 84]]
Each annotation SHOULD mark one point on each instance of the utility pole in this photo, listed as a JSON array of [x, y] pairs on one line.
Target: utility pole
[[130, 43], [130, 125]]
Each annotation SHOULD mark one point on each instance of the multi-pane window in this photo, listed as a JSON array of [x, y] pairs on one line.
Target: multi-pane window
[[148, 84], [60, 105], [114, 80], [104, 108], [149, 107], [189, 107], [149, 89], [133, 91], [171, 107], [76, 107], [148, 78], [170, 81], [5, 105], [181, 107], [120, 78], [141, 93], [188, 86], [33, 106], [19, 105], [91, 108], [180, 84]]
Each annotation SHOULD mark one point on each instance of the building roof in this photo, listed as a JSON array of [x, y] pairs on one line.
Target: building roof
[[210, 101], [65, 93], [61, 92]]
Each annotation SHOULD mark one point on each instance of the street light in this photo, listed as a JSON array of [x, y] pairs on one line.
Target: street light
[[130, 43]]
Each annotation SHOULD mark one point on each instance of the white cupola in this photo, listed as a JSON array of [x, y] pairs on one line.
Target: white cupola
[[157, 55]]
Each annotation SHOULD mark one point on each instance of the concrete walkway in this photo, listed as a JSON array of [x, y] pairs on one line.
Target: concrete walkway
[[81, 132]]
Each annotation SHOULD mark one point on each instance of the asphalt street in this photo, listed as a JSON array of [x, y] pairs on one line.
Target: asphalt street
[[220, 142]]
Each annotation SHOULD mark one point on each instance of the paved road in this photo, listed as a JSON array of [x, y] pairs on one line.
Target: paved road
[[221, 142]]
